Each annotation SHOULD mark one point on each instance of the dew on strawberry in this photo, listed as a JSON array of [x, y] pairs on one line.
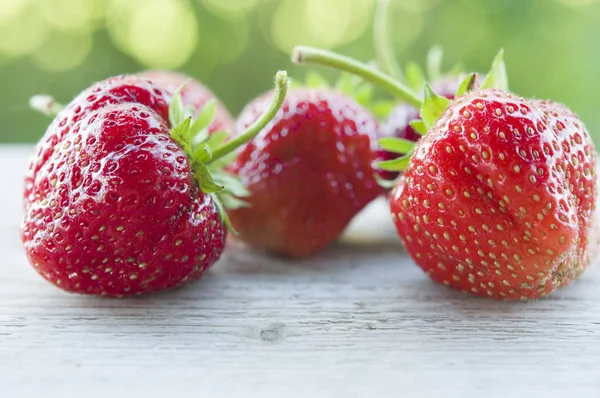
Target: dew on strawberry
[[115, 90], [128, 193], [498, 198]]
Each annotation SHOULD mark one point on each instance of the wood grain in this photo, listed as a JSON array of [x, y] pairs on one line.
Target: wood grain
[[358, 320]]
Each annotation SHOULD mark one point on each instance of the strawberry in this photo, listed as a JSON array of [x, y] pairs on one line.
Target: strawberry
[[125, 203], [116, 90], [398, 123], [499, 196], [403, 120], [508, 216], [309, 171], [193, 94]]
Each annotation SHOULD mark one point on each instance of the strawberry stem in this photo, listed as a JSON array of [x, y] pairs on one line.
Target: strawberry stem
[[45, 104], [382, 43], [282, 82], [309, 55]]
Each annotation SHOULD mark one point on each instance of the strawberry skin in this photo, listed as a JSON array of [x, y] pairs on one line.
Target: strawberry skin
[[115, 90], [309, 172], [193, 94], [498, 197], [115, 209], [397, 124]]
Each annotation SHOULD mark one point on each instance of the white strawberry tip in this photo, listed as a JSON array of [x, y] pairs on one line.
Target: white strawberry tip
[[210, 154]]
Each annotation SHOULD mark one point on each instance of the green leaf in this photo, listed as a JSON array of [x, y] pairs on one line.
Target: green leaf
[[434, 63], [398, 164], [497, 77], [176, 109], [181, 134], [418, 126], [223, 213], [433, 107], [467, 85], [382, 108], [232, 184], [414, 76], [396, 145], [200, 138], [232, 202], [202, 155], [205, 117], [190, 111], [205, 179], [315, 80], [217, 138]]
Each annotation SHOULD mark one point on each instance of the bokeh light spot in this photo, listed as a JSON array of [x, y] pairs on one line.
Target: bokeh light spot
[[577, 3], [63, 51], [475, 32], [232, 30], [11, 8], [158, 33], [324, 23], [72, 14], [228, 8], [417, 5], [23, 34]]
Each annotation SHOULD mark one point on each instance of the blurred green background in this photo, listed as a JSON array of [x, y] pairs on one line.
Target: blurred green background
[[552, 47]]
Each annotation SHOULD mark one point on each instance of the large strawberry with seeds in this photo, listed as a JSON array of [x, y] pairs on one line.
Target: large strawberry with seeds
[[498, 197], [112, 91], [126, 202], [117, 210], [309, 172], [403, 120], [193, 94]]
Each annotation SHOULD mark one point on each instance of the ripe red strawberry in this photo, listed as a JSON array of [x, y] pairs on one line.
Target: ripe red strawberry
[[309, 172], [498, 198], [125, 203], [193, 94], [116, 90], [397, 124], [401, 120]]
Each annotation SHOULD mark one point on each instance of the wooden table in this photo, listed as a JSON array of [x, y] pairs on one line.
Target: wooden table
[[359, 320]]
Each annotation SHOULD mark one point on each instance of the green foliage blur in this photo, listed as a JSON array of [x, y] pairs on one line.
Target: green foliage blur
[[552, 47]]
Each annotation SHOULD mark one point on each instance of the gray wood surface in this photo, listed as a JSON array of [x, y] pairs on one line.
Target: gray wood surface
[[359, 320]]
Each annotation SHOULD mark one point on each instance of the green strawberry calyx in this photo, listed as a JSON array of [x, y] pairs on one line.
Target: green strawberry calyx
[[431, 107], [348, 84], [210, 154]]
